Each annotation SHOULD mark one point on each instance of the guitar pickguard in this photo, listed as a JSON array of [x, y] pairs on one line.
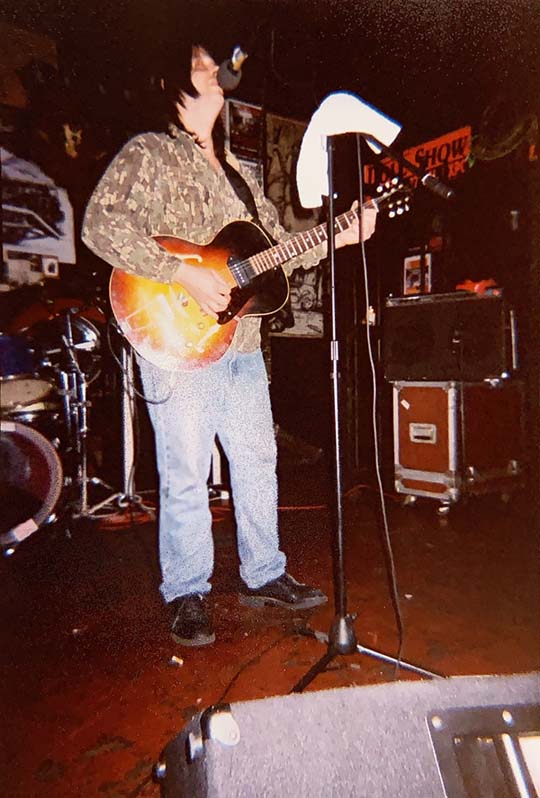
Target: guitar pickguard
[[266, 294]]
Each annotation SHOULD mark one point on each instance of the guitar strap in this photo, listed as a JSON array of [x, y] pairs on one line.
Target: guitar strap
[[244, 194]]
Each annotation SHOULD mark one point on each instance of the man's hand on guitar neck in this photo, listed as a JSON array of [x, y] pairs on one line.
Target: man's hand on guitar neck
[[352, 234], [206, 286], [212, 292]]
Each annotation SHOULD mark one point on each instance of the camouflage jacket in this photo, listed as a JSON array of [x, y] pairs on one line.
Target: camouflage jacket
[[161, 184]]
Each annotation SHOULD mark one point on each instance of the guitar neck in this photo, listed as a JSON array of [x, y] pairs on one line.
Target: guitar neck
[[302, 242]]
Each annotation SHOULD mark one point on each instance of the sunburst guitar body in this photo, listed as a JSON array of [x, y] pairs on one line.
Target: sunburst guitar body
[[166, 326]]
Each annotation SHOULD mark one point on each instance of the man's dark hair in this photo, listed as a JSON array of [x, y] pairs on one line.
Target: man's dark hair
[[172, 79]]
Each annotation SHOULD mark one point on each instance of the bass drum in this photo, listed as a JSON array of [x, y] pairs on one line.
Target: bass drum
[[31, 480]]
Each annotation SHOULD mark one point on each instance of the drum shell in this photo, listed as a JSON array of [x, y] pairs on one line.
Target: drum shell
[[45, 417], [20, 380], [31, 481]]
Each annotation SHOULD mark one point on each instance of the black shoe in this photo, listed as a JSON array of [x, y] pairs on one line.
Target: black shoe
[[284, 592], [191, 624]]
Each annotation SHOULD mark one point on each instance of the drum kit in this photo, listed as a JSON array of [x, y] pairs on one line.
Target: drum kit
[[51, 363]]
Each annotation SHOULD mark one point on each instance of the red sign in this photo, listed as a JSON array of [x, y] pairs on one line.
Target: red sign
[[445, 156]]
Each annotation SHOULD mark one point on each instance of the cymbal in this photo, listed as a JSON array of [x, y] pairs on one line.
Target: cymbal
[[47, 310]]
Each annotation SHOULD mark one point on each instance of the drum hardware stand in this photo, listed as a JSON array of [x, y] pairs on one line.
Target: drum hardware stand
[[341, 639], [127, 498], [75, 405]]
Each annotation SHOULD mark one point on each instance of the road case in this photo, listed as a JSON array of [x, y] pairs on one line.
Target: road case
[[455, 438]]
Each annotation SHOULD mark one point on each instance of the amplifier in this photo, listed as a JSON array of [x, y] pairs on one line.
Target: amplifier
[[458, 336]]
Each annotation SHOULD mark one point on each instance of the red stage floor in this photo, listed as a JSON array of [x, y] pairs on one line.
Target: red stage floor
[[94, 687]]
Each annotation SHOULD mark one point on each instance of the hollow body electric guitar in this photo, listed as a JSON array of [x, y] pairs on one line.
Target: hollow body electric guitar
[[166, 326]]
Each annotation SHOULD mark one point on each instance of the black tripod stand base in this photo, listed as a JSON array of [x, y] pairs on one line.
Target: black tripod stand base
[[314, 671], [334, 651]]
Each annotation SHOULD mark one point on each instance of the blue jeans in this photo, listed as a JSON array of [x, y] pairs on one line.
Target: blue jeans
[[229, 399]]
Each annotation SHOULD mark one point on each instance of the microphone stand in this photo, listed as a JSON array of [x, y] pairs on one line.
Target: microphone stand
[[341, 639]]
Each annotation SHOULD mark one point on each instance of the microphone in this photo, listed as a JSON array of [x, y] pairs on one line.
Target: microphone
[[230, 72], [433, 183], [428, 180]]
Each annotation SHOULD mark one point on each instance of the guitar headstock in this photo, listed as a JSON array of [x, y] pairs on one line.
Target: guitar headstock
[[394, 197]]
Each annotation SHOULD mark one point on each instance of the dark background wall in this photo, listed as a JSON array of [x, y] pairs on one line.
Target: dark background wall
[[433, 66]]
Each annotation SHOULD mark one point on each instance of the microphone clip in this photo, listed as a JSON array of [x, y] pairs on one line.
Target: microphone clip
[[230, 71], [237, 59]]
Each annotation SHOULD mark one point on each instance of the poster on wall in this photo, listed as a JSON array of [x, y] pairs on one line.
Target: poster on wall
[[244, 130], [37, 216], [412, 274], [303, 316]]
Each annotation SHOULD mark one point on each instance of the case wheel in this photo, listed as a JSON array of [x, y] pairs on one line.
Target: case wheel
[[409, 501], [443, 509]]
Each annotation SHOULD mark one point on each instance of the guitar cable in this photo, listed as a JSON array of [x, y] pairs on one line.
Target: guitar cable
[[130, 382], [388, 551]]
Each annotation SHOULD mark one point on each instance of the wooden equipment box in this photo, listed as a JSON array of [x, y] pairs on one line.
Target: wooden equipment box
[[454, 438]]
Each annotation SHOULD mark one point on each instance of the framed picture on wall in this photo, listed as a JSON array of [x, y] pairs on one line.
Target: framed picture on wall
[[244, 130], [303, 315]]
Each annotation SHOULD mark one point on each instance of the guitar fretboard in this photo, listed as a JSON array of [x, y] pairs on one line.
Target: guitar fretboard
[[245, 270]]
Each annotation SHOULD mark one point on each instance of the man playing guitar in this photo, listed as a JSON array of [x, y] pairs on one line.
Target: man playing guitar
[[190, 313]]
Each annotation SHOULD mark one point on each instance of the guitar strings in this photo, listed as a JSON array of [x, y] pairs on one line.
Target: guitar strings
[[240, 269]]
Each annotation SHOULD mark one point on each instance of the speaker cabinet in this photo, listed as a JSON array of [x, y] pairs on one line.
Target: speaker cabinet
[[459, 336], [446, 738]]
